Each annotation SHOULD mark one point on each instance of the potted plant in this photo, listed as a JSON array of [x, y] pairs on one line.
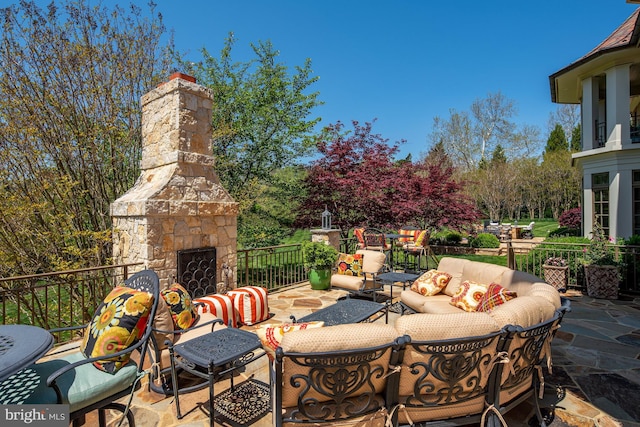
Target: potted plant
[[555, 272], [600, 266], [319, 260]]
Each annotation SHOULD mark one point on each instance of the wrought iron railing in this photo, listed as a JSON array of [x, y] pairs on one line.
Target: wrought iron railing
[[276, 267], [59, 299], [531, 257], [601, 133], [66, 298]]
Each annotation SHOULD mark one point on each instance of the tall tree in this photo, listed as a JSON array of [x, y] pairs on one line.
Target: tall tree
[[557, 140], [357, 179], [493, 120], [576, 138], [261, 115], [70, 83], [567, 116], [469, 136]]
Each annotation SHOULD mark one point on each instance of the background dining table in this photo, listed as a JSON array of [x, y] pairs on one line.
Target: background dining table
[[20, 346]]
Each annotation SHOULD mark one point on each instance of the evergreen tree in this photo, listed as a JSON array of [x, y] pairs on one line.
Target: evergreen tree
[[498, 156], [557, 140], [576, 138]]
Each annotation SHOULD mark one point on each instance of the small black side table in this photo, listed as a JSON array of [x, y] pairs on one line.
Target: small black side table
[[393, 277], [231, 346]]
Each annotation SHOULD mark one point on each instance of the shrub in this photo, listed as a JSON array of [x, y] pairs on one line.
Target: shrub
[[633, 240], [485, 240], [565, 232], [571, 218], [446, 237]]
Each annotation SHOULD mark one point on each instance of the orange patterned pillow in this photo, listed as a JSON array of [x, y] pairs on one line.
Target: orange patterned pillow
[[468, 295], [183, 312], [271, 334], [423, 238], [495, 296], [431, 282], [350, 265]]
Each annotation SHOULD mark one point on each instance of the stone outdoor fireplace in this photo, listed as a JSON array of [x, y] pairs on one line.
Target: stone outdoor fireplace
[[177, 205]]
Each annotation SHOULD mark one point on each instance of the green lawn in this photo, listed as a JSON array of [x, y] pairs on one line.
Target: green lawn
[[542, 227]]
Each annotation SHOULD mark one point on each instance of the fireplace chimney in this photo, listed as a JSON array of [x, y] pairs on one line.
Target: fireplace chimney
[[177, 203]]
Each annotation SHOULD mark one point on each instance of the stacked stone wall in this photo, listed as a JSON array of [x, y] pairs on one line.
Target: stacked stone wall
[[177, 202]]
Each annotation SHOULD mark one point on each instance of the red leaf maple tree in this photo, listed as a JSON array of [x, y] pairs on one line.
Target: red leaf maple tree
[[359, 182]]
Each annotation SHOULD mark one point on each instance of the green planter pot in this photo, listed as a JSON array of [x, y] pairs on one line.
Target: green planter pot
[[320, 279]]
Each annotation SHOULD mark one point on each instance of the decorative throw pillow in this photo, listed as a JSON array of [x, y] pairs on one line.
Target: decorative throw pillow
[[468, 295], [221, 306], [271, 334], [350, 265], [420, 240], [411, 235], [495, 296], [251, 304], [431, 282], [183, 312], [118, 323]]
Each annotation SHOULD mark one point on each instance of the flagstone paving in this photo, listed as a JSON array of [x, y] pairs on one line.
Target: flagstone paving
[[595, 379]]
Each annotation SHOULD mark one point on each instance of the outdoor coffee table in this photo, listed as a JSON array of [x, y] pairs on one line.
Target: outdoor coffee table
[[349, 310], [393, 277], [228, 349]]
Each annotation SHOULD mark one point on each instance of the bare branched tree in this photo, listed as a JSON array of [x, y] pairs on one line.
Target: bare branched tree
[[70, 85]]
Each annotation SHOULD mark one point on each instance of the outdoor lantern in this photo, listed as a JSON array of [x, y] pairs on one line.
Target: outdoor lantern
[[326, 219]]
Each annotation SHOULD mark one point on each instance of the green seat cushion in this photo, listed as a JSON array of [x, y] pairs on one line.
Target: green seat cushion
[[81, 387]]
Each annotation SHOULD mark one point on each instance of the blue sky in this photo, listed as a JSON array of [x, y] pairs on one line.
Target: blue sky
[[404, 62]]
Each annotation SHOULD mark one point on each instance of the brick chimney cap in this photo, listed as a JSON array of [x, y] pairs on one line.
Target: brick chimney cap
[[183, 77]]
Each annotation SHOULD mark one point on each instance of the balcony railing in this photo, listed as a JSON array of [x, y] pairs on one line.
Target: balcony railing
[[67, 298], [601, 133], [59, 299], [600, 128]]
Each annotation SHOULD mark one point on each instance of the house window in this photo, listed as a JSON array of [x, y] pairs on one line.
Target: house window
[[636, 202], [600, 188]]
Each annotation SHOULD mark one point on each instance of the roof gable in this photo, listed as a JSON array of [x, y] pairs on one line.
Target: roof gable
[[625, 35]]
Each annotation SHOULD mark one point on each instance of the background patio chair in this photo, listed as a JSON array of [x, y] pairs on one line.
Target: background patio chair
[[416, 250], [375, 240], [74, 379], [373, 263], [527, 231]]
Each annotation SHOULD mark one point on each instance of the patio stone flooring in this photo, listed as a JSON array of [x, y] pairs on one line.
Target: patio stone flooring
[[595, 379]]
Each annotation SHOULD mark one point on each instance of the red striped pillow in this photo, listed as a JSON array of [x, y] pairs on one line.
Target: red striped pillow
[[251, 304], [221, 306]]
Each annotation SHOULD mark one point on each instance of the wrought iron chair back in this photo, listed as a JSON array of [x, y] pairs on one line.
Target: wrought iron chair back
[[527, 349], [333, 386], [451, 379]]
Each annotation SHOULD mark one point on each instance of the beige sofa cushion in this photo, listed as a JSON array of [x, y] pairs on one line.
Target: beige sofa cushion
[[353, 283], [525, 284], [454, 267], [162, 322], [483, 273], [372, 261], [434, 304], [425, 327], [338, 337], [523, 311]]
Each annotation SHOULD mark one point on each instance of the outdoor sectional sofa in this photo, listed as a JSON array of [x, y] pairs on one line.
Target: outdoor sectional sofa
[[441, 363]]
